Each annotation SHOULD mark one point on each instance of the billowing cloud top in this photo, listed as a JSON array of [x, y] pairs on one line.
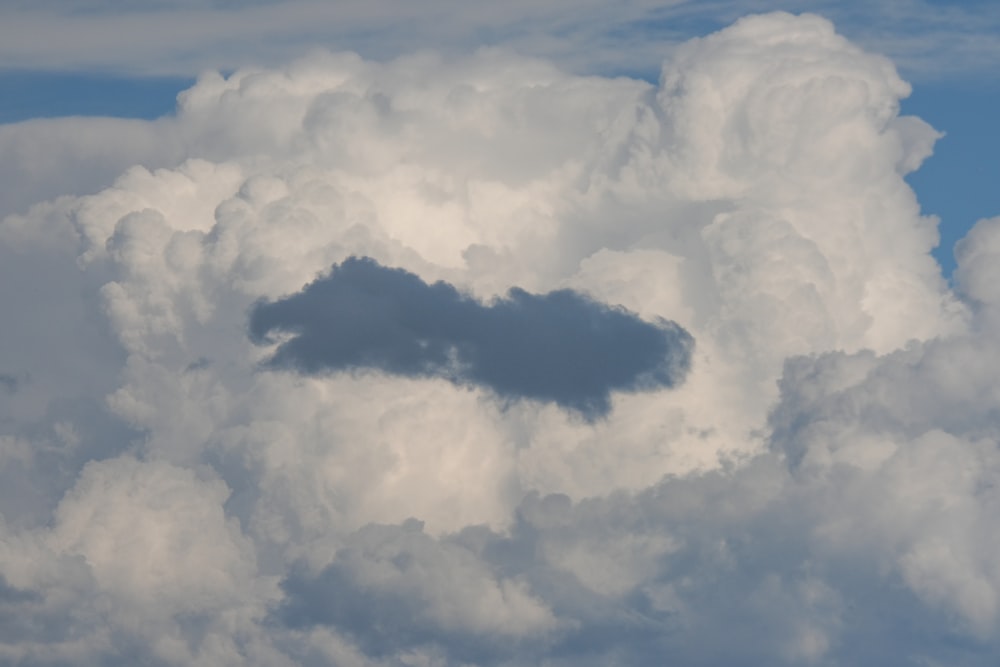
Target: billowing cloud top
[[819, 489]]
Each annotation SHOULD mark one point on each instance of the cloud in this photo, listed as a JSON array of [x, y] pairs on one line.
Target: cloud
[[9, 382], [819, 489], [75, 156], [394, 587], [190, 37], [559, 346]]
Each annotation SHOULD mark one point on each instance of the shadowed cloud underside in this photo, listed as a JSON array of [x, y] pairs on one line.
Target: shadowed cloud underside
[[561, 346]]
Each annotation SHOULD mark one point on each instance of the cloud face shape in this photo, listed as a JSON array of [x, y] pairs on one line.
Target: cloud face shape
[[560, 346]]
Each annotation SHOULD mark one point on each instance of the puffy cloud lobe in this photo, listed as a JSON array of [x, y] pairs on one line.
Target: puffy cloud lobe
[[141, 565], [899, 453], [977, 254], [394, 588], [560, 346], [125, 505]]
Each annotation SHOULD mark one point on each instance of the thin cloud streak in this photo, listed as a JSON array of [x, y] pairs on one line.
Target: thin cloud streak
[[927, 41]]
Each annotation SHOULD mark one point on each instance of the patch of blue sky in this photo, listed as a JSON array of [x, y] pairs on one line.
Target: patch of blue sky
[[959, 183], [42, 94]]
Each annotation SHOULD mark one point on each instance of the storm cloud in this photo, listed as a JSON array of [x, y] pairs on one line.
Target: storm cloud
[[561, 346]]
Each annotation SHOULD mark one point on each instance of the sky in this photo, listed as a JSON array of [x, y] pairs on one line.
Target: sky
[[444, 334]]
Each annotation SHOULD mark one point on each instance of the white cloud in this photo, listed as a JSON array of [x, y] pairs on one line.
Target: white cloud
[[156, 539], [819, 486]]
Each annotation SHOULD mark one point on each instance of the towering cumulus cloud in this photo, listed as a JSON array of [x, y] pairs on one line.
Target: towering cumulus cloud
[[215, 449]]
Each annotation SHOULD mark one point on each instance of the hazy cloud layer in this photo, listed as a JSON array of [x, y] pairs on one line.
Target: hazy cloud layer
[[560, 346], [820, 488], [188, 37]]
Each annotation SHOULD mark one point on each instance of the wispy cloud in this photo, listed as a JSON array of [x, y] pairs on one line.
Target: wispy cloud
[[927, 40]]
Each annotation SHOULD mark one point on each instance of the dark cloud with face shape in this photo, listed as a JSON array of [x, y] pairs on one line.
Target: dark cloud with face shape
[[561, 346]]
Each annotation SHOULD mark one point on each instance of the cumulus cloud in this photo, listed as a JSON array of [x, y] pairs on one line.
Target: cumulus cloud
[[559, 346], [394, 588], [819, 489], [54, 157]]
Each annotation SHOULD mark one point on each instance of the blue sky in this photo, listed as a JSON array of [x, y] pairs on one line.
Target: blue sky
[[44, 94], [958, 182]]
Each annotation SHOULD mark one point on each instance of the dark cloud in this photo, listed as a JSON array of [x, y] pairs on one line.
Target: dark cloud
[[561, 346], [199, 364], [385, 590], [10, 594], [9, 382], [747, 571], [400, 609], [70, 433]]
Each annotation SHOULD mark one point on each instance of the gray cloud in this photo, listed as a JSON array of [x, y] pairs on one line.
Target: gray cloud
[[560, 347], [9, 382], [743, 560], [188, 37], [71, 432], [396, 588]]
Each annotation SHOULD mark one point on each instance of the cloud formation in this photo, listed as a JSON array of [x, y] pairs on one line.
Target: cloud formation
[[559, 346], [585, 36], [820, 488]]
